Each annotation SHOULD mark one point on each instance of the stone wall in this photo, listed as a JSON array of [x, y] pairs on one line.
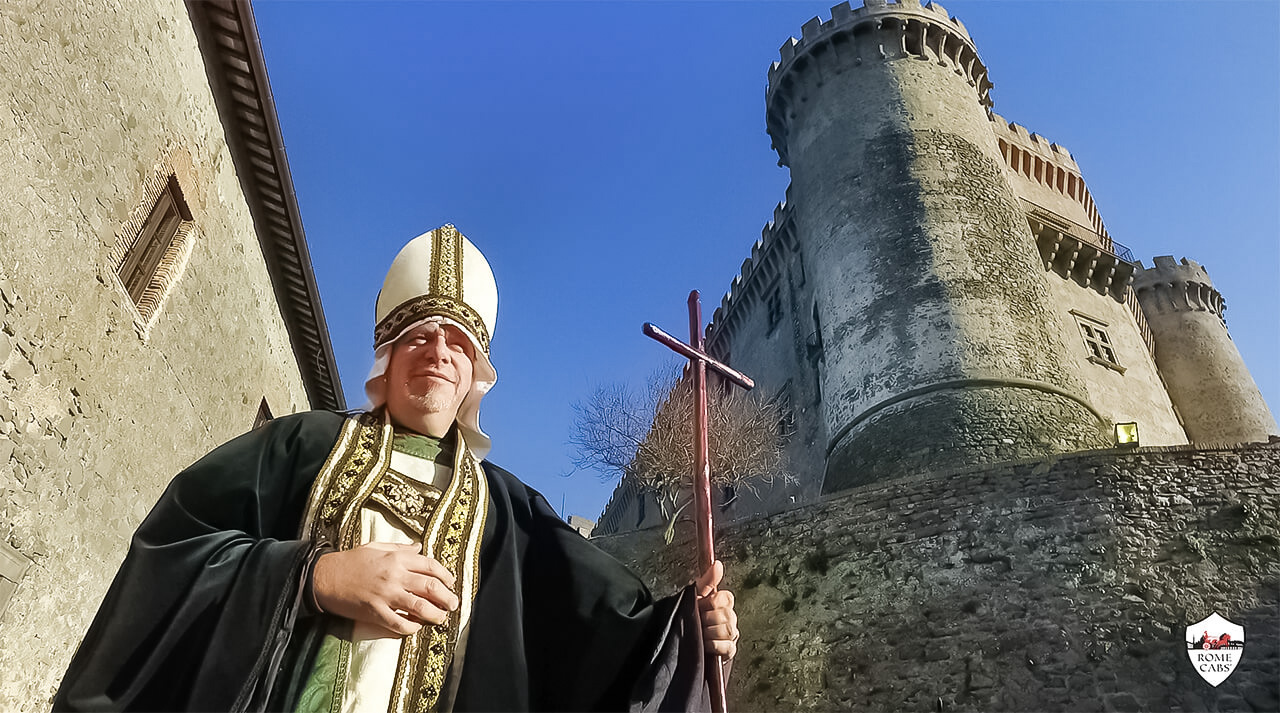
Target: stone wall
[[1061, 584], [98, 410]]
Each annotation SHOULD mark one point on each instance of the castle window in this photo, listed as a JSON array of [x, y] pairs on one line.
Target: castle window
[[150, 254], [774, 302], [1097, 342]]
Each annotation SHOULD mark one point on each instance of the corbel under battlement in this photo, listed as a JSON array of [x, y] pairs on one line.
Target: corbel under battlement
[[1173, 286], [1086, 262], [1095, 261]]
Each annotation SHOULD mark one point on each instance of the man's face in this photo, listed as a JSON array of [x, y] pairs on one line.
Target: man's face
[[428, 377]]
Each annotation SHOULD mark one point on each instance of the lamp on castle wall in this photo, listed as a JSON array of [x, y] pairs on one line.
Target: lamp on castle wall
[[1127, 434]]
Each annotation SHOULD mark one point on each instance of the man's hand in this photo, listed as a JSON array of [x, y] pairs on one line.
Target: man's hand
[[392, 587], [719, 622]]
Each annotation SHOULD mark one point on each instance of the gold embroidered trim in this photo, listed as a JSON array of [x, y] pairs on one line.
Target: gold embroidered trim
[[405, 502], [361, 454], [335, 462], [350, 479], [446, 262], [344, 663], [452, 533], [416, 308]]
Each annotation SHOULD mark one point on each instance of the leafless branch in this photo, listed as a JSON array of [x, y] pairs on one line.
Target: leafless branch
[[647, 435]]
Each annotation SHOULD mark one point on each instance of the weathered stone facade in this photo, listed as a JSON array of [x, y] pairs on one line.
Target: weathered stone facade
[[1197, 357], [100, 405], [925, 271], [1059, 584], [938, 290]]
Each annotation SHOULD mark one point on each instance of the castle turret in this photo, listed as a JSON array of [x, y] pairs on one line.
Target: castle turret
[[937, 328], [1206, 377]]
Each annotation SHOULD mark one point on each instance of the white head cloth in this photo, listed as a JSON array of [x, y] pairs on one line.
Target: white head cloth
[[439, 277]]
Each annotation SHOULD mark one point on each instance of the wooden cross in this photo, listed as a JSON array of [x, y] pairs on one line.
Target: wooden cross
[[699, 360]]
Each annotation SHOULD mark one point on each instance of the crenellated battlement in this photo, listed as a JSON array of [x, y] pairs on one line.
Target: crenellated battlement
[[1047, 163], [758, 272], [844, 17], [1033, 143], [1176, 286], [877, 31], [1167, 269]]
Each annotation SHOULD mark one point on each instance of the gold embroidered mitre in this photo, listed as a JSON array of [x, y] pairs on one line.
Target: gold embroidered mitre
[[439, 273]]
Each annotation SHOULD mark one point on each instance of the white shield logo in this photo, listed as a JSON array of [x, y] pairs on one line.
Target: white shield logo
[[1215, 646]]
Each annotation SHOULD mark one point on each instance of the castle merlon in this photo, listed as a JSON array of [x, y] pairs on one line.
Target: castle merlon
[[844, 19], [1167, 266], [922, 31], [1033, 142]]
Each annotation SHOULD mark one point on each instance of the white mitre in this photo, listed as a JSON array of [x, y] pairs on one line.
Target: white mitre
[[439, 276]]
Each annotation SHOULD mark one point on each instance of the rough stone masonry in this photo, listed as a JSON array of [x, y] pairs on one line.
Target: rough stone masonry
[[1058, 584]]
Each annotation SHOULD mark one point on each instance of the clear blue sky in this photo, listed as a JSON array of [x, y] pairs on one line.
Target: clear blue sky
[[608, 157]]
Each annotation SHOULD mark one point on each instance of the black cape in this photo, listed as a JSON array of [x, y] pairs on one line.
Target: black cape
[[206, 612]]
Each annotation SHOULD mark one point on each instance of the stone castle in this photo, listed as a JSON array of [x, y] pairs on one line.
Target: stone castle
[[939, 290], [963, 349]]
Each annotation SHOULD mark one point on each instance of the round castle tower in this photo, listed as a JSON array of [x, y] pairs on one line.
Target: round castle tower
[[939, 346], [1207, 380]]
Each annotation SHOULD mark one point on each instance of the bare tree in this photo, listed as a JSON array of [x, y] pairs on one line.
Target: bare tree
[[646, 436]]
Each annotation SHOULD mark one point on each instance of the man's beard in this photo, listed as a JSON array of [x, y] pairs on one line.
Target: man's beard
[[438, 398]]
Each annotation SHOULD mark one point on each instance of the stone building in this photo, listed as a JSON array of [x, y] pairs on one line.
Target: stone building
[[156, 294], [956, 335], [938, 289]]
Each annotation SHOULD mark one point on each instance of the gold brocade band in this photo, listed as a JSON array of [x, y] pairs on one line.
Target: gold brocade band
[[451, 538], [422, 306], [349, 480], [446, 262]]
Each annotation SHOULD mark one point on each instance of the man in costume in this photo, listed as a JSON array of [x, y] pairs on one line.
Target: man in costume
[[377, 563]]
